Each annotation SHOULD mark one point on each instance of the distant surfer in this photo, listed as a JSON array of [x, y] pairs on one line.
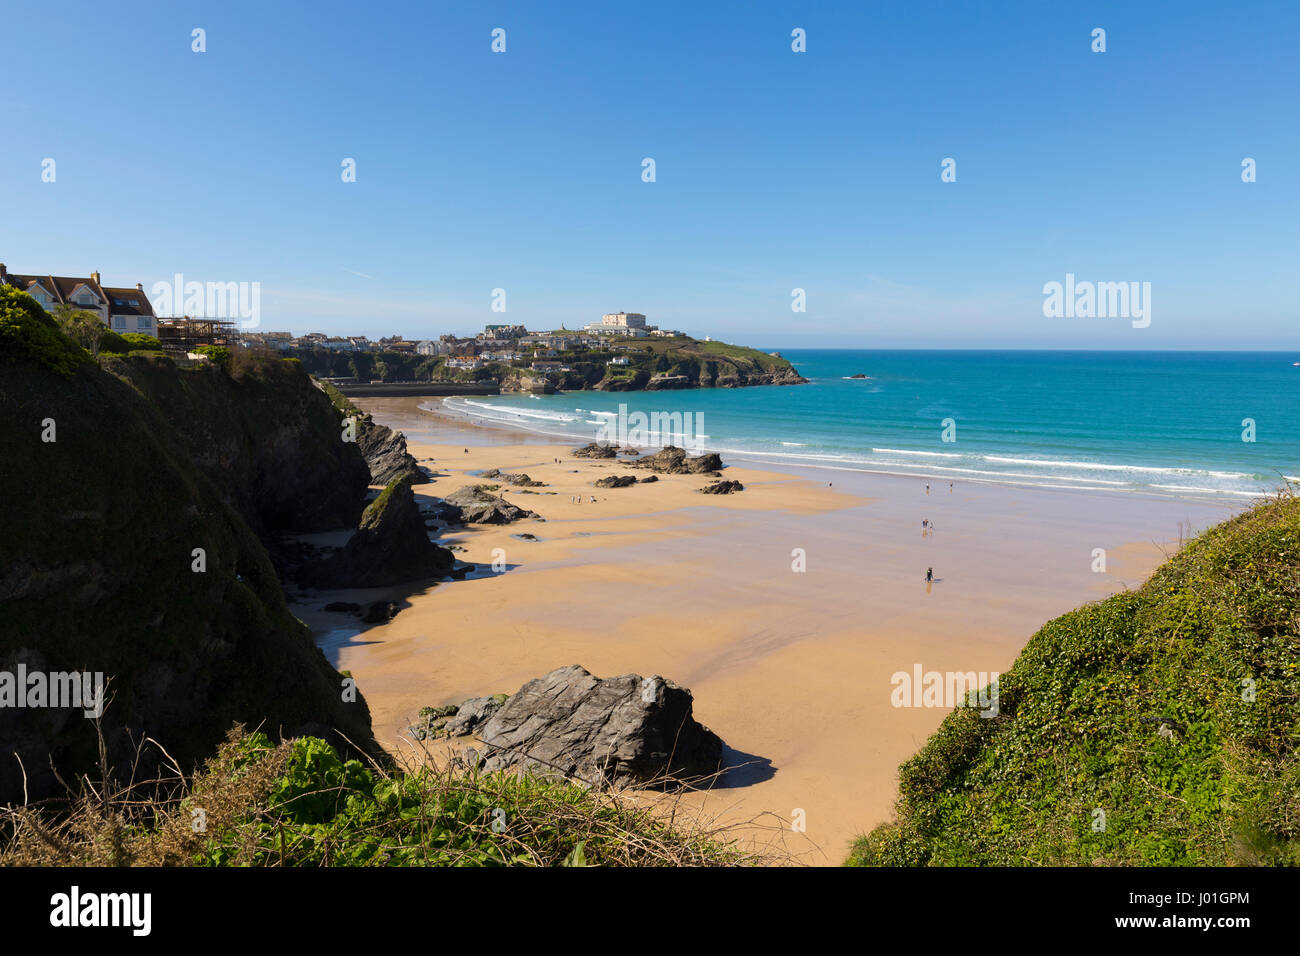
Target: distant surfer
[[929, 575]]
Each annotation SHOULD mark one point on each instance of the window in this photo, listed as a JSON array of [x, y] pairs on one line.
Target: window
[[119, 322], [142, 322]]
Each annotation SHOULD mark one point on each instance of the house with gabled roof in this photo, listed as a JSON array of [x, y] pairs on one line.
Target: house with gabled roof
[[121, 309]]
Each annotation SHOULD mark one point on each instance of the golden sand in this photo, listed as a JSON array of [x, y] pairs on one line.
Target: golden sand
[[791, 668]]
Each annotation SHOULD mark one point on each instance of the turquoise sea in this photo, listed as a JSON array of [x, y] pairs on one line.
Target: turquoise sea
[[1165, 423]]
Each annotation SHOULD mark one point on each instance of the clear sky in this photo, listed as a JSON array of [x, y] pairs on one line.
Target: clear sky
[[775, 170]]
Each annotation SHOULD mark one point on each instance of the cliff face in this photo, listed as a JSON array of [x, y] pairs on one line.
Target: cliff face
[[264, 434], [99, 573], [383, 449]]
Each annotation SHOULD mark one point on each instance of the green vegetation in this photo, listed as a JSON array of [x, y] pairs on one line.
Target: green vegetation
[[141, 342], [100, 583], [219, 354], [1156, 727], [27, 333], [300, 804]]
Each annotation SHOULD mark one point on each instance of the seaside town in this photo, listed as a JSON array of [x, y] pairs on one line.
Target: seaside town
[[620, 351], [127, 310]]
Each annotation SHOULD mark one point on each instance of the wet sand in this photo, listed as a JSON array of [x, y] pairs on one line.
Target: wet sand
[[791, 668]]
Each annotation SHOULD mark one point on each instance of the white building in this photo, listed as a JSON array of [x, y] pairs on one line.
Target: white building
[[121, 309], [621, 323]]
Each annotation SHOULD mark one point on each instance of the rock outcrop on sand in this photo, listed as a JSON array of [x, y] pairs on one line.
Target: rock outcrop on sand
[[625, 730], [672, 460], [616, 481], [390, 547], [476, 505], [386, 455], [722, 488], [383, 449], [517, 478], [455, 720], [595, 449]]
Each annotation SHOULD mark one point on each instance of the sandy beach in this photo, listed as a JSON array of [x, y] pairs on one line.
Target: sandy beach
[[792, 668]]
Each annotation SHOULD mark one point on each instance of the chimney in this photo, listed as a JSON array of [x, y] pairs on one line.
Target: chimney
[[139, 287], [94, 277], [4, 273]]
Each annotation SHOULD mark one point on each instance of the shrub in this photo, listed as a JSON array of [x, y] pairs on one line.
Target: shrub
[[218, 354], [140, 341], [27, 333]]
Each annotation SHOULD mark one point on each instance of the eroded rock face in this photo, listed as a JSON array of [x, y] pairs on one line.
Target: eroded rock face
[[722, 488], [269, 440], [98, 570], [386, 455], [474, 505], [595, 450], [390, 547], [627, 729], [672, 460], [472, 714], [616, 481]]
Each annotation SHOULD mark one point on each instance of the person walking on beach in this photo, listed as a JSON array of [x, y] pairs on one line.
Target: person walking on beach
[[927, 489], [929, 575], [950, 487]]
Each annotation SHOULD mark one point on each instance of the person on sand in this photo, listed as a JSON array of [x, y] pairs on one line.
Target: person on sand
[[929, 575], [950, 487], [927, 489]]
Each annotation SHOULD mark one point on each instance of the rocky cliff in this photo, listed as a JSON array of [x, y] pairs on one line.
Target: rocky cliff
[[121, 555], [263, 433]]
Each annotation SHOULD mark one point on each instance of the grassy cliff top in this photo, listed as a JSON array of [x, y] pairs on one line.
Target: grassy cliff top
[[1159, 726]]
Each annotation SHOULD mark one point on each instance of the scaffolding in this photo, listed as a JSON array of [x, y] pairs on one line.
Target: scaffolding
[[185, 334]]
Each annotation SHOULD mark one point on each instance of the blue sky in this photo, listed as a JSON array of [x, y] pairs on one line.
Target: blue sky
[[774, 169]]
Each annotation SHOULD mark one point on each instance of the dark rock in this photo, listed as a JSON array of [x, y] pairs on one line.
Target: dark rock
[[525, 536], [270, 441], [442, 512], [519, 478], [616, 481], [386, 455], [472, 714], [674, 461], [95, 568], [857, 375], [390, 547], [381, 612], [649, 478], [627, 729], [595, 450], [343, 607], [722, 488], [475, 505]]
